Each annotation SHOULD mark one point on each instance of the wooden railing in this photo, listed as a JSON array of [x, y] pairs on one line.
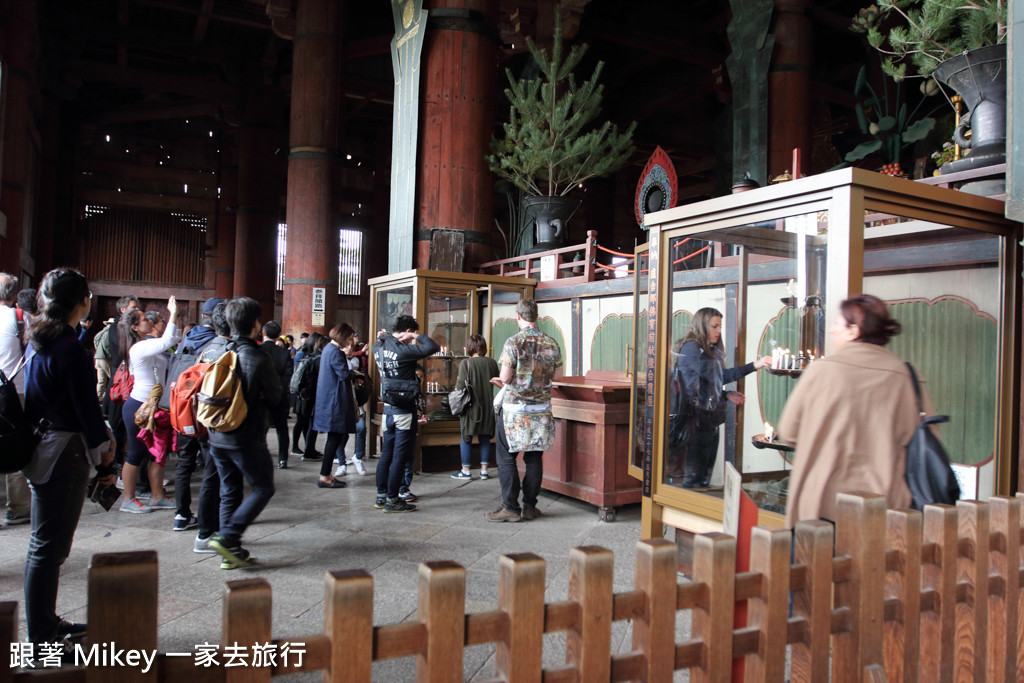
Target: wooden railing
[[567, 270], [904, 596]]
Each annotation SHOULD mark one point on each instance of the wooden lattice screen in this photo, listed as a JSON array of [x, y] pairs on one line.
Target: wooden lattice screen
[[141, 245]]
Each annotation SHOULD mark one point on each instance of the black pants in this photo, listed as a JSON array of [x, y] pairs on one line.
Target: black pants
[[279, 418], [336, 442], [188, 461], [301, 429]]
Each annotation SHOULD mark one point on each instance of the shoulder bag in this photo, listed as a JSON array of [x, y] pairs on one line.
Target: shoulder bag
[[460, 399], [929, 474]]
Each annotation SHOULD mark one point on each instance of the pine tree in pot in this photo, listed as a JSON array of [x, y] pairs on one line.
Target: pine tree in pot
[[962, 45], [550, 145]]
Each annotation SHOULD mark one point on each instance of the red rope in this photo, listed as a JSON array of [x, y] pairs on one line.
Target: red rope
[[677, 262], [617, 253]]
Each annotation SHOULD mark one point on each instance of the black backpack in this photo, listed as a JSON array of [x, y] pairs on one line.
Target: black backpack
[[18, 436], [303, 375]]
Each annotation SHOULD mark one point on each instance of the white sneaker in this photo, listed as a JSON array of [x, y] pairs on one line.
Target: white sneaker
[[360, 468], [340, 472]]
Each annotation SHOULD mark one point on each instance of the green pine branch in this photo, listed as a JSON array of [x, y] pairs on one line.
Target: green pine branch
[[550, 144]]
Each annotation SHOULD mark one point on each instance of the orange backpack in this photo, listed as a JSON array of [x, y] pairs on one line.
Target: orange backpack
[[183, 400]]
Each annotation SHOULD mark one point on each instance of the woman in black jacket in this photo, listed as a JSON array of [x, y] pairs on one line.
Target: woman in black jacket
[[60, 385], [304, 392]]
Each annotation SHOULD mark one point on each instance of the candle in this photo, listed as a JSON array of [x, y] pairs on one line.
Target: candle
[[769, 433]]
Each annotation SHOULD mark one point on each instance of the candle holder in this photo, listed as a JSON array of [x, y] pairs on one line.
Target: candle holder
[[760, 442]]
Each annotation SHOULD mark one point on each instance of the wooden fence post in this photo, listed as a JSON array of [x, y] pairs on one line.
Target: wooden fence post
[[860, 530], [1004, 602], [972, 571], [769, 556], [521, 596], [588, 648], [938, 582], [655, 635], [348, 623], [123, 600], [442, 609], [9, 628], [247, 619], [902, 646], [810, 658], [714, 565]]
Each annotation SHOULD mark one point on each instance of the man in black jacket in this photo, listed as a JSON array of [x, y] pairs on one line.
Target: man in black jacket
[[243, 452], [396, 359], [282, 361]]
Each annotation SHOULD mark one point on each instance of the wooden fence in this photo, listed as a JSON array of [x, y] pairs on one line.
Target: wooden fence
[[904, 596]]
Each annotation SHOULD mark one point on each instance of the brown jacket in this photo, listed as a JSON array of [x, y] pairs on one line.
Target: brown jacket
[[850, 416]]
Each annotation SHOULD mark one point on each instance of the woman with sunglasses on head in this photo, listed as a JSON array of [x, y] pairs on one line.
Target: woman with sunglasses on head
[[148, 363], [60, 386]]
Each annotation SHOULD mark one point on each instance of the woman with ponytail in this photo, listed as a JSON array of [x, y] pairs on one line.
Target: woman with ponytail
[[60, 386], [148, 364]]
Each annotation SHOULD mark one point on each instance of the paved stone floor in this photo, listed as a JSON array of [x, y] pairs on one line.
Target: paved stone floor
[[306, 531]]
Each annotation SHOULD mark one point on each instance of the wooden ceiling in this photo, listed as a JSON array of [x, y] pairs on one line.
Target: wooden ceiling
[[164, 79]]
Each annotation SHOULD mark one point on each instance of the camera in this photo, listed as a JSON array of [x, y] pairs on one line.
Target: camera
[[104, 494]]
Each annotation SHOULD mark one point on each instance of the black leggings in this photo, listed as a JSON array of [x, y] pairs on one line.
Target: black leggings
[[301, 428], [335, 445]]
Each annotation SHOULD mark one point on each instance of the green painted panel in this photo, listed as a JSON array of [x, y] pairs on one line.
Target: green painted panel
[[612, 336], [954, 350], [506, 327], [680, 325], [549, 327], [773, 391]]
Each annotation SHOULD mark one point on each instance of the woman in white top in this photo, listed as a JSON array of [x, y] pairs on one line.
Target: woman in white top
[[148, 366]]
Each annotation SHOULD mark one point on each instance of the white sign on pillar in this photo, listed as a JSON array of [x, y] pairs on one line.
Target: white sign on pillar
[[319, 306]]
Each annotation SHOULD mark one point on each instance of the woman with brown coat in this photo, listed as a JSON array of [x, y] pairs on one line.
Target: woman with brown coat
[[851, 417]]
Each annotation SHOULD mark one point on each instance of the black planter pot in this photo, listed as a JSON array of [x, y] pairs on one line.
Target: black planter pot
[[979, 77], [551, 215]]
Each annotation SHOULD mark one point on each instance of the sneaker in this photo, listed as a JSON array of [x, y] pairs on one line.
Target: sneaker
[[162, 503], [202, 546], [296, 450], [236, 556], [398, 505], [530, 513], [135, 506], [340, 472], [360, 468], [13, 518], [119, 484], [380, 502], [70, 628], [503, 514], [408, 496], [484, 474], [316, 457], [182, 523], [143, 495], [462, 474], [242, 558]]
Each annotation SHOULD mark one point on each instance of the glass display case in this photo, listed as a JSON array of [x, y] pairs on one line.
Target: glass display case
[[449, 308], [946, 263]]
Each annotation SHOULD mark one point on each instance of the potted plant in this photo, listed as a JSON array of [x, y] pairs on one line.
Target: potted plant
[[550, 145], [962, 45]]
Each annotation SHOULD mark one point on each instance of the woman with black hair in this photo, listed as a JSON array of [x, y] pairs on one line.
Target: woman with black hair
[[148, 363], [335, 409], [60, 386], [304, 392]]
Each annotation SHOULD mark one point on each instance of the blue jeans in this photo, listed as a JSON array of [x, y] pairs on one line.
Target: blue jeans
[[56, 507], [508, 472], [233, 466], [466, 452], [360, 438], [395, 454]]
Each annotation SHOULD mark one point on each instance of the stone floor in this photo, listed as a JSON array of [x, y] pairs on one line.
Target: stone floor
[[306, 531]]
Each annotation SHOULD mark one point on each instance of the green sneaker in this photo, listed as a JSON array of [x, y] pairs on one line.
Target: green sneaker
[[234, 557], [380, 502]]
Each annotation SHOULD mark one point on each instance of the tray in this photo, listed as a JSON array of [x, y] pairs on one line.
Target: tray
[[759, 442], [784, 373]]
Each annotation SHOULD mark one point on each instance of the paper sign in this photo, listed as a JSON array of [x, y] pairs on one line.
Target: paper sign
[[319, 302], [547, 268], [733, 487], [319, 319]]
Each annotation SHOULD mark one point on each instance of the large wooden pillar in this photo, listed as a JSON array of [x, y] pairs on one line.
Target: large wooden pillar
[[259, 192], [455, 186], [313, 237], [789, 85], [223, 253], [20, 154]]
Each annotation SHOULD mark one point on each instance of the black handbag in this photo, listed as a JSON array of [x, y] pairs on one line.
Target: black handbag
[[18, 436], [929, 474]]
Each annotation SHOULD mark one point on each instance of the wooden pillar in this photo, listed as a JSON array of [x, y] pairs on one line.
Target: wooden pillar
[[454, 183], [223, 254], [20, 138], [312, 259], [789, 83], [259, 191]]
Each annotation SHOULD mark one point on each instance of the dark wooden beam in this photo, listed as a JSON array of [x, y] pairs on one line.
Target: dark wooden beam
[[228, 19], [99, 72], [671, 49], [139, 37], [374, 46], [165, 174], [90, 195], [203, 21], [154, 111]]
